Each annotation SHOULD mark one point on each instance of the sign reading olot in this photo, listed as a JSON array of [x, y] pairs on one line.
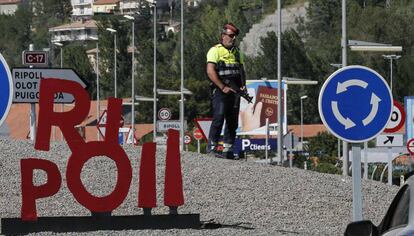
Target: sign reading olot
[[83, 151]]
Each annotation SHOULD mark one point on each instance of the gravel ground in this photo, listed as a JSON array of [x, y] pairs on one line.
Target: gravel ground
[[245, 197]]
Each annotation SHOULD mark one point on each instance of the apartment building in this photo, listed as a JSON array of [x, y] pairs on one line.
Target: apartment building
[[76, 31], [82, 9]]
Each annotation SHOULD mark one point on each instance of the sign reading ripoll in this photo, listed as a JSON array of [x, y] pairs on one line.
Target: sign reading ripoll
[[355, 104], [6, 89], [27, 83]]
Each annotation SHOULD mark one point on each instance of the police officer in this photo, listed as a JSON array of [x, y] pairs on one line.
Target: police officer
[[225, 64]]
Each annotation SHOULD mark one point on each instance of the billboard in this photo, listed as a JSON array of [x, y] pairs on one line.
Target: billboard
[[409, 111], [252, 116]]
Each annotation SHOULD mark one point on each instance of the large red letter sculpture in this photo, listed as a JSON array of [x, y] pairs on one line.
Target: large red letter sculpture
[[173, 193], [81, 151], [66, 121], [30, 192]]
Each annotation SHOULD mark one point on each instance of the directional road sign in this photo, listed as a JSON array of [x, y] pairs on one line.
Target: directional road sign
[[390, 140], [6, 89], [164, 126], [410, 146], [397, 119], [27, 83], [355, 104]]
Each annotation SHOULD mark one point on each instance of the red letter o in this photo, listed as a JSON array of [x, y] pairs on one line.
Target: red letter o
[[75, 185]]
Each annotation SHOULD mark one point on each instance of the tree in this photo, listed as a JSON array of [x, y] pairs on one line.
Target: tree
[[324, 146]]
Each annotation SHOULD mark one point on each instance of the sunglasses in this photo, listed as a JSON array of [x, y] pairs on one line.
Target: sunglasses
[[231, 35]]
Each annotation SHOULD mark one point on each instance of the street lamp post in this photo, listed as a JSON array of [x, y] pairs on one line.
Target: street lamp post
[[115, 82], [301, 119], [182, 78], [132, 78], [154, 131], [60, 45], [391, 57], [98, 107], [279, 85]]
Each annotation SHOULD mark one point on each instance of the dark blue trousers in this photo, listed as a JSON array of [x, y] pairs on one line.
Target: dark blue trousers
[[225, 107]]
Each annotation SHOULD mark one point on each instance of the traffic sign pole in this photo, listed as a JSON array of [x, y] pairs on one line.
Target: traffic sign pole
[[389, 166], [32, 111], [356, 182], [198, 146]]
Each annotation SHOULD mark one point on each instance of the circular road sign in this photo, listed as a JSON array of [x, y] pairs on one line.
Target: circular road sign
[[6, 89], [187, 139], [410, 146], [197, 134], [164, 114], [355, 103], [397, 118]]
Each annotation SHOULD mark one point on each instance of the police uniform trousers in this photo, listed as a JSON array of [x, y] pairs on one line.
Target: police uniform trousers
[[225, 107]]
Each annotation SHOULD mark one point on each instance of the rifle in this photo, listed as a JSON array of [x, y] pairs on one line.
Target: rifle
[[242, 93]]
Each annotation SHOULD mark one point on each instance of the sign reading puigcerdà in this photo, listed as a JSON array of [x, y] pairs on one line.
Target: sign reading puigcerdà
[[81, 151], [27, 81]]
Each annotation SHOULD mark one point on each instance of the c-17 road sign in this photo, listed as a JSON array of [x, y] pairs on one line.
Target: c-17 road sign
[[27, 81]]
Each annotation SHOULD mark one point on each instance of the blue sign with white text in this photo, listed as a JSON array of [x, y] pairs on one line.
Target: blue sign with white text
[[245, 145], [6, 89], [355, 103]]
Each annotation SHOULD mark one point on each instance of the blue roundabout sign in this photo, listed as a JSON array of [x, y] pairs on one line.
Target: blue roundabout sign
[[6, 89], [355, 104]]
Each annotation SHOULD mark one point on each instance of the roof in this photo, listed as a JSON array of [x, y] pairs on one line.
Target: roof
[[308, 130], [6, 2], [18, 119], [105, 2], [75, 25], [313, 130]]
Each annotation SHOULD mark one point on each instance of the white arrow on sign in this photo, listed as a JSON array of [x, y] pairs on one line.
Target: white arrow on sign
[[390, 140], [342, 87], [26, 83], [374, 110], [348, 123]]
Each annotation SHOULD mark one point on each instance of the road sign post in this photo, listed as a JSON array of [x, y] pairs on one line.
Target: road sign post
[[187, 140], [198, 136], [6, 89], [355, 105]]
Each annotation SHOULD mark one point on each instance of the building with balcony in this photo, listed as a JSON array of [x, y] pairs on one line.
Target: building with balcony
[[9, 7], [82, 9], [128, 6], [105, 6], [76, 31]]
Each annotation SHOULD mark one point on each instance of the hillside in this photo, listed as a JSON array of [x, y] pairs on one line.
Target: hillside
[[250, 44]]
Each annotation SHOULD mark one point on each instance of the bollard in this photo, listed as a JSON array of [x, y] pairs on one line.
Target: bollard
[[305, 166]]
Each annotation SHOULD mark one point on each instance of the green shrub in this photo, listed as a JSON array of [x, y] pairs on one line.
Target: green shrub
[[327, 168]]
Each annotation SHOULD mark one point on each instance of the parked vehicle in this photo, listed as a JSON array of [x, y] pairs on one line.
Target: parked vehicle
[[399, 219]]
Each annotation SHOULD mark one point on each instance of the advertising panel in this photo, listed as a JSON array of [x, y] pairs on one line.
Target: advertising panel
[[409, 111], [252, 116]]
